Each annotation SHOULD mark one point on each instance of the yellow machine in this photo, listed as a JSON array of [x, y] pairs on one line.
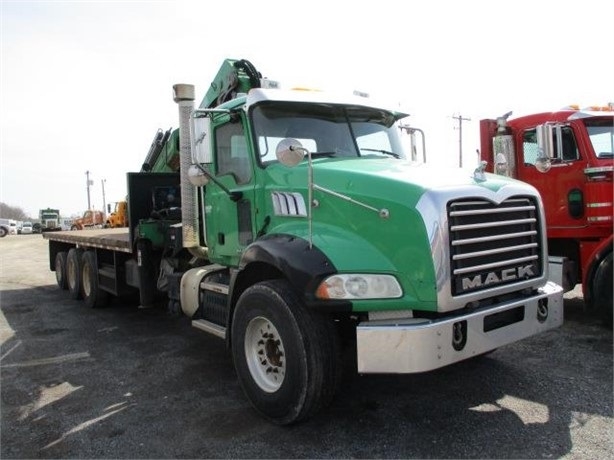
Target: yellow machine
[[119, 217]]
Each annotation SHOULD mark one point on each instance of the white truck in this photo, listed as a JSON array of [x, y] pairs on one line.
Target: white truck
[[8, 227]]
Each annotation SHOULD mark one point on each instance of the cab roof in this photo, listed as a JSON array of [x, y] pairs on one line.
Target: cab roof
[[258, 95]]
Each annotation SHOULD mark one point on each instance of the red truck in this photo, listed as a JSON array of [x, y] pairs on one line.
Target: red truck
[[90, 219], [568, 156]]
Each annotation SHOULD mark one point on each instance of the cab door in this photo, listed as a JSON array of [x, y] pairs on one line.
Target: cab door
[[228, 218], [562, 186]]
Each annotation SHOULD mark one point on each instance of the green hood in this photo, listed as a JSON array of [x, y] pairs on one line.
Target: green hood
[[389, 225]]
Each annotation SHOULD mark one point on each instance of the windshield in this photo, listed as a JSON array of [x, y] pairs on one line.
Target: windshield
[[601, 134], [328, 130]]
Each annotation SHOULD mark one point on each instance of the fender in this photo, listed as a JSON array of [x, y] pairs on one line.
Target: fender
[[302, 266]]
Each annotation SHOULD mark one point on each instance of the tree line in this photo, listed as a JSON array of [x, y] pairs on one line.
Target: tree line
[[12, 212]]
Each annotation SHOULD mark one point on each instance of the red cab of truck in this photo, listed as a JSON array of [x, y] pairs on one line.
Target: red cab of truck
[[568, 156]]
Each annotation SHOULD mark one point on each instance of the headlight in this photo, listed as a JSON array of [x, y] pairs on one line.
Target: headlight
[[359, 286]]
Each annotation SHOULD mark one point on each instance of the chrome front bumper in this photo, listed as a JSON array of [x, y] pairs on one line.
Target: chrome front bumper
[[419, 345]]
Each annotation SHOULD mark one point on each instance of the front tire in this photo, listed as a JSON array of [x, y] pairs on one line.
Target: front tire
[[285, 356], [73, 273]]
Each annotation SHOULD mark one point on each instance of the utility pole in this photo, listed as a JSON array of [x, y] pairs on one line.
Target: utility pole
[[89, 183], [104, 201], [460, 119]]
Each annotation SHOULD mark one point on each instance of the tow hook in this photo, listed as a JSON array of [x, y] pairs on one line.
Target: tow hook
[[459, 335], [542, 310]]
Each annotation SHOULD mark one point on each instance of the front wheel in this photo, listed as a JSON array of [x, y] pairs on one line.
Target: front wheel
[[285, 356]]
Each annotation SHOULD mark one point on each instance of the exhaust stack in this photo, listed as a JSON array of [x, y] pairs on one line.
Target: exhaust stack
[[183, 94]]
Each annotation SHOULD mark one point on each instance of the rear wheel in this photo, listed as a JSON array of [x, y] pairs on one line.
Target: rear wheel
[[60, 270], [602, 290], [93, 296], [73, 272], [285, 356], [3, 232]]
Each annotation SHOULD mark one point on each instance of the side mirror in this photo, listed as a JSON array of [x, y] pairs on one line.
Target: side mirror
[[109, 208], [545, 146], [197, 177], [290, 152], [200, 133]]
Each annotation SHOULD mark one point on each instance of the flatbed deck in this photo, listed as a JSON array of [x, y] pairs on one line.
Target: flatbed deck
[[115, 239]]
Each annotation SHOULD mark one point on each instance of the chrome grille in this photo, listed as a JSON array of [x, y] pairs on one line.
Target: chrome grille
[[493, 244]]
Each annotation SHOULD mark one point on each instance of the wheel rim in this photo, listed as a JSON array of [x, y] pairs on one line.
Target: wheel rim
[[265, 354]]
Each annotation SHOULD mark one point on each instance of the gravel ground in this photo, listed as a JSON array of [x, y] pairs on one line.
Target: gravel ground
[[120, 382]]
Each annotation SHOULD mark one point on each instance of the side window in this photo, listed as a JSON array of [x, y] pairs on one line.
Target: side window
[[231, 155], [569, 147], [529, 147]]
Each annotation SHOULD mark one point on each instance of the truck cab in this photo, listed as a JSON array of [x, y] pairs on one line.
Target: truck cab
[[312, 215], [89, 219], [568, 157], [50, 220]]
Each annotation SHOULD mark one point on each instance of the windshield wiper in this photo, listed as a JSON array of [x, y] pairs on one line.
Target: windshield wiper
[[386, 152], [323, 154]]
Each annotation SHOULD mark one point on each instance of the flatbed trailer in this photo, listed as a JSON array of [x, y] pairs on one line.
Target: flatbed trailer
[[106, 253], [93, 263], [114, 239]]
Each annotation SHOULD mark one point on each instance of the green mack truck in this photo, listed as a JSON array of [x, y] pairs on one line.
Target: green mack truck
[[295, 226]]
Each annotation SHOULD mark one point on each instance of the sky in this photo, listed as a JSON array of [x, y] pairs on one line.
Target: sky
[[85, 85]]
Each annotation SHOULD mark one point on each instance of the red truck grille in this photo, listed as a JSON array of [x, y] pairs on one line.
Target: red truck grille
[[492, 244]]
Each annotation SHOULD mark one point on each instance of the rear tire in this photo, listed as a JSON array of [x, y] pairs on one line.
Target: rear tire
[[602, 290], [73, 273], [93, 296], [285, 356], [60, 270]]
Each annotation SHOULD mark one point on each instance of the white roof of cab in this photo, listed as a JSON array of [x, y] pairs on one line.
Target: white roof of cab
[[257, 95], [591, 113]]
